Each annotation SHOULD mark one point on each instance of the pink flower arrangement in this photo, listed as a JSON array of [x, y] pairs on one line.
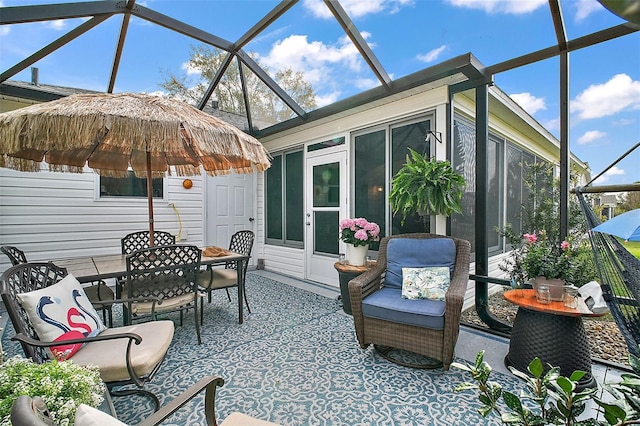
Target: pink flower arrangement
[[359, 232], [544, 257]]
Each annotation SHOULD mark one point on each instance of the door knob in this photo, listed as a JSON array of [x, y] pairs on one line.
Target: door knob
[[308, 223], [251, 219]]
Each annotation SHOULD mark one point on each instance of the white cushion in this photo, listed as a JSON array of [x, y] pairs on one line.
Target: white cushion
[[109, 355], [61, 312], [89, 416], [239, 419], [425, 283]]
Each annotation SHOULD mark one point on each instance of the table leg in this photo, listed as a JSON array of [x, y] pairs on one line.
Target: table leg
[[557, 340], [240, 278]]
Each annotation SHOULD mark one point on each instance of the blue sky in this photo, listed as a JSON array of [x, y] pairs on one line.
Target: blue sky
[[405, 35]]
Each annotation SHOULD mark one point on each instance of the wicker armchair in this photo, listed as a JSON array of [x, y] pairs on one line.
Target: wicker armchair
[[438, 342]]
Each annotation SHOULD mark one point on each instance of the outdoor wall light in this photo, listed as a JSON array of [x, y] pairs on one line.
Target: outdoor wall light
[[187, 183], [433, 134]]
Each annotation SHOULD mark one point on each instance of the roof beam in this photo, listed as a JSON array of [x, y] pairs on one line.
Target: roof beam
[[215, 80], [576, 44], [356, 38], [48, 12], [121, 39], [266, 79], [558, 24], [458, 65], [182, 28], [76, 32], [268, 19], [245, 96]]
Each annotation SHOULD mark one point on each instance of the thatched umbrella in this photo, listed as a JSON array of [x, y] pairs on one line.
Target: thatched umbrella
[[114, 133]]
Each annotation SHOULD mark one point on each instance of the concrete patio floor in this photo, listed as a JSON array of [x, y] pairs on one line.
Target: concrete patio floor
[[470, 341]]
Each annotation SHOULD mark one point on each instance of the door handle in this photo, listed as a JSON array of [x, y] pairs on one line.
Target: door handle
[[251, 219], [308, 223]]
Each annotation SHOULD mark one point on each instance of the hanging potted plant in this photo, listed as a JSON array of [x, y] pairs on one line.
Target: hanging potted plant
[[426, 187]]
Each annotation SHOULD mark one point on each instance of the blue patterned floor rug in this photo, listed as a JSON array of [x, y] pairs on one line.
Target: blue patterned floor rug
[[295, 361]]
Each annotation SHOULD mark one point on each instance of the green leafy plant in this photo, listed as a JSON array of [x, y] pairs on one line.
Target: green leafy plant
[[62, 385], [552, 399], [427, 187], [538, 251]]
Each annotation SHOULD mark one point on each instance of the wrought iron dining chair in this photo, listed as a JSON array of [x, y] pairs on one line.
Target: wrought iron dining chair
[[128, 355], [15, 255], [215, 279], [97, 291], [166, 273], [140, 240], [28, 411]]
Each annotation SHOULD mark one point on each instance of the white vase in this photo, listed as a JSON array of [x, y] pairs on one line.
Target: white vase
[[356, 255]]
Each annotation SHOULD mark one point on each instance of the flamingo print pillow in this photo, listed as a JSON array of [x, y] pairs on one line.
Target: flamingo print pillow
[[61, 312]]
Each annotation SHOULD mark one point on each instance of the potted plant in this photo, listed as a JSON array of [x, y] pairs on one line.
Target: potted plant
[[63, 386], [357, 234], [426, 187], [540, 259]]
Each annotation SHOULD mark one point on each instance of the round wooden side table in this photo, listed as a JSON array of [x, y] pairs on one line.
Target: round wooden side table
[[551, 332], [346, 273]]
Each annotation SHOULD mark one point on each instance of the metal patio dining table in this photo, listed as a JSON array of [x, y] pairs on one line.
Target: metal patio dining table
[[100, 267]]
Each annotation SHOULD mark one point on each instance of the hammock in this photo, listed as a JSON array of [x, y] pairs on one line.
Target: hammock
[[619, 273]]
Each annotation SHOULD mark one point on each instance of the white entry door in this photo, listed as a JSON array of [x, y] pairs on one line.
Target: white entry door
[[230, 207], [326, 204]]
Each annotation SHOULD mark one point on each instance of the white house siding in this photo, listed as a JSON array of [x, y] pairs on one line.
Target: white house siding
[[60, 215], [290, 261]]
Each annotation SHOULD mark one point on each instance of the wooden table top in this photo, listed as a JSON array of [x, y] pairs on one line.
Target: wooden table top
[[346, 268], [91, 268], [526, 298]]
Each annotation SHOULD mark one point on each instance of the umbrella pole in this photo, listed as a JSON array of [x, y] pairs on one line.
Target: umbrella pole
[[150, 199]]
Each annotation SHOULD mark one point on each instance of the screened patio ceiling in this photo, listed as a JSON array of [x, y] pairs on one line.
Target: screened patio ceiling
[[112, 25]]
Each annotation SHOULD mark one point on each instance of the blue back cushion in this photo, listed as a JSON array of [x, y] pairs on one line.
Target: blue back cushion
[[417, 253]]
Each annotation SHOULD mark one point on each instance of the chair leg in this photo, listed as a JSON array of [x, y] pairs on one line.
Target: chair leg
[[127, 392], [195, 311], [228, 295], [201, 310], [245, 300]]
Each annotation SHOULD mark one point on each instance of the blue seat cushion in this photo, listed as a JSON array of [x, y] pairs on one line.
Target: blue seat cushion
[[417, 253], [388, 304]]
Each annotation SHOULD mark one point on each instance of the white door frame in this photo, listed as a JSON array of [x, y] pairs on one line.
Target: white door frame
[[319, 266]]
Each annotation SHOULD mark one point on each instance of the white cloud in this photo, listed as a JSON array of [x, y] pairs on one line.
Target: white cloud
[[356, 8], [509, 7], [584, 8], [432, 55], [327, 99], [314, 59], [58, 24], [5, 29], [190, 69], [366, 83], [552, 124], [614, 171], [624, 122], [530, 103], [590, 136], [601, 100]]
